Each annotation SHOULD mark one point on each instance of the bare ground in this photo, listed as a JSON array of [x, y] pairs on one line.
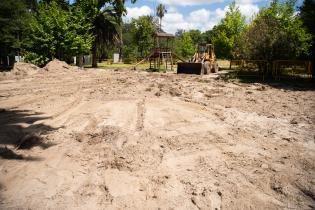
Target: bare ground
[[135, 140]]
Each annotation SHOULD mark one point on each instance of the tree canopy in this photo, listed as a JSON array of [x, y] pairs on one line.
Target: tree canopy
[[307, 14], [275, 33], [185, 45], [14, 19], [59, 33], [228, 31], [105, 16], [144, 29]]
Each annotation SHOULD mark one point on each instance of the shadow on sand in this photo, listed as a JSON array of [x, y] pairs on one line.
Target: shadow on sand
[[21, 130]]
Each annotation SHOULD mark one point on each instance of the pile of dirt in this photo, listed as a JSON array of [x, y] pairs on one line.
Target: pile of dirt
[[24, 69], [57, 65]]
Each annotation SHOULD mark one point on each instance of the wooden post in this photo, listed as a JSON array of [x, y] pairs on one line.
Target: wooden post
[[171, 62], [166, 57]]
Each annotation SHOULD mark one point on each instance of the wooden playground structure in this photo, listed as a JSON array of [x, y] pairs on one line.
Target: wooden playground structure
[[161, 56]]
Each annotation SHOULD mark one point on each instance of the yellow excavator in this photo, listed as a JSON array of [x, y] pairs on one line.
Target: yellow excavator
[[203, 61]]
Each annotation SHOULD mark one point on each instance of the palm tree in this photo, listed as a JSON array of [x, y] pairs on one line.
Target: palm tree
[[160, 12], [106, 19], [106, 31]]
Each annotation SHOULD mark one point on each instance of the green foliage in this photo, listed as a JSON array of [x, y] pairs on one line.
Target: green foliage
[[105, 16], [228, 31], [14, 19], [207, 36], [185, 46], [307, 14], [64, 4], [196, 36], [276, 33], [58, 33], [34, 58], [143, 30], [129, 49], [186, 41]]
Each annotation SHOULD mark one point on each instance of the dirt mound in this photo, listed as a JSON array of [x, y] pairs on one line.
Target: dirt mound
[[22, 68], [57, 65]]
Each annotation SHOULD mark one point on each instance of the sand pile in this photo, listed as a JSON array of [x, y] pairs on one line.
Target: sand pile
[[24, 69], [57, 65]]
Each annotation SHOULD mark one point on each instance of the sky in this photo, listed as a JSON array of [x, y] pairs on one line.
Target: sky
[[192, 14]]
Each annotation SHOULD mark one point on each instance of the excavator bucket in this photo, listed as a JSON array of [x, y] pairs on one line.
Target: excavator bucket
[[189, 68]]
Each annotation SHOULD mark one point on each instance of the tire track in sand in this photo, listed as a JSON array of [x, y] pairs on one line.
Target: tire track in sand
[[61, 116], [28, 102], [140, 115]]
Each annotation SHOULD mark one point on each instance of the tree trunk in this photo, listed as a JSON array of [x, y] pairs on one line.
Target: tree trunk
[[94, 55], [313, 68], [160, 24], [313, 60], [120, 54], [80, 61]]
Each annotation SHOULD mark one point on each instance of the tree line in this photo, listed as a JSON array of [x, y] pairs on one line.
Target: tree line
[[280, 30], [47, 29]]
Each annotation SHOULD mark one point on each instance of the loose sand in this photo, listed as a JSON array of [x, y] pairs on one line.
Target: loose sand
[[100, 139]]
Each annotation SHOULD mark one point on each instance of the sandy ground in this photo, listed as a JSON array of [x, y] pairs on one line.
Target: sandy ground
[[98, 139]]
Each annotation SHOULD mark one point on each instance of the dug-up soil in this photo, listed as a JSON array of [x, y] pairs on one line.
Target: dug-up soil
[[105, 139]]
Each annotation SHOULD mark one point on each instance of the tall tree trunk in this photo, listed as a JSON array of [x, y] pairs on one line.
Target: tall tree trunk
[[120, 54], [160, 24], [94, 55], [313, 60], [80, 61], [313, 68]]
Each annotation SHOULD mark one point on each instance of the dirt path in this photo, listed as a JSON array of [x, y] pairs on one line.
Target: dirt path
[[134, 140]]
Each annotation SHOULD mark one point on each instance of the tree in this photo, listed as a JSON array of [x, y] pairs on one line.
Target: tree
[[143, 30], [185, 46], [129, 49], [64, 4], [207, 36], [307, 15], [105, 17], [186, 41], [160, 12], [196, 36], [228, 31], [276, 33], [14, 27], [59, 33]]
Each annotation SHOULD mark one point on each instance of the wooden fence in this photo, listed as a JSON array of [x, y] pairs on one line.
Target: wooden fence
[[291, 68], [278, 69], [251, 67]]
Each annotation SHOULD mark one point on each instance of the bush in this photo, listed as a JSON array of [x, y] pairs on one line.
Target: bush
[[129, 60], [34, 58]]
